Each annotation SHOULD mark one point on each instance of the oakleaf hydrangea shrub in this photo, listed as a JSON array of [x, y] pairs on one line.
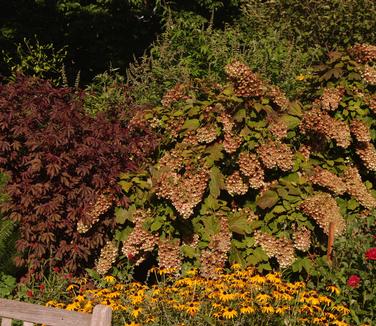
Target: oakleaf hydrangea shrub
[[244, 175], [63, 167]]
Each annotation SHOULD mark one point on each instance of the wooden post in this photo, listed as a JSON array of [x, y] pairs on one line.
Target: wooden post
[[101, 316], [330, 242]]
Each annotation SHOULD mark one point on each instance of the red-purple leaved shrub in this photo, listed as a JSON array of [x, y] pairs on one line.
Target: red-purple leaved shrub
[[63, 167]]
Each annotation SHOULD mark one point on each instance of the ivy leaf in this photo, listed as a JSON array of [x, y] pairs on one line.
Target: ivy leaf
[[291, 121], [215, 153], [122, 235], [267, 200], [156, 225], [236, 257], [238, 224], [188, 251], [216, 182], [191, 124], [211, 225], [125, 185], [122, 214]]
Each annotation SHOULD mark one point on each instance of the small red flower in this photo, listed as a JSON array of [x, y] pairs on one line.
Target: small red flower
[[29, 293], [42, 287], [56, 269], [353, 281], [130, 257], [68, 276], [371, 254]]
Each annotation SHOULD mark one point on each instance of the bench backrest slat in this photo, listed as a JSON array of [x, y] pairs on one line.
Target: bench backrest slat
[[26, 323], [33, 313], [6, 322]]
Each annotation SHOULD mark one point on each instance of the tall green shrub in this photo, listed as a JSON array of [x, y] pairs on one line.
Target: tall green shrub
[[245, 175]]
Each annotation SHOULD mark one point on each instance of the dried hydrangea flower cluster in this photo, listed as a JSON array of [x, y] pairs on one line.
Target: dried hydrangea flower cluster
[[356, 188], [279, 98], [174, 126], [231, 142], [107, 257], [367, 154], [215, 257], [251, 168], [282, 249], [184, 191], [246, 83], [278, 129], [248, 213], [139, 240], [302, 239], [331, 98], [371, 102], [274, 154], [206, 134], [363, 52], [328, 180], [305, 151], [360, 131], [178, 92], [169, 256], [323, 208], [101, 206], [235, 185], [369, 75], [320, 122]]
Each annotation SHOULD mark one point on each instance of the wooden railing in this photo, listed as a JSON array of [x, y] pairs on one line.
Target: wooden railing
[[32, 314]]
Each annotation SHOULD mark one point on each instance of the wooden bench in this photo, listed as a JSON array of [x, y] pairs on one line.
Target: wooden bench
[[32, 314]]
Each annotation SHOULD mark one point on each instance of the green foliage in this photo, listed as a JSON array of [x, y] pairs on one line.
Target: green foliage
[[106, 93], [35, 59], [349, 260], [317, 23], [191, 47], [8, 235], [200, 198], [7, 285]]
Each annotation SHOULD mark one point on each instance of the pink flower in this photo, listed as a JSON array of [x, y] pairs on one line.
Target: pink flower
[[371, 254], [353, 281]]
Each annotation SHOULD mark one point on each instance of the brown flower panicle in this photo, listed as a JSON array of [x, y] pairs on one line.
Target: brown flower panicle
[[331, 98], [107, 257], [369, 75], [278, 129], [184, 191], [328, 180], [177, 93], [322, 123], [101, 206], [356, 188], [231, 143], [206, 134], [214, 258], [139, 241], [279, 98], [169, 256], [360, 131], [274, 154], [246, 83], [302, 239], [235, 185], [323, 208], [280, 248], [363, 52], [367, 154], [251, 168]]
